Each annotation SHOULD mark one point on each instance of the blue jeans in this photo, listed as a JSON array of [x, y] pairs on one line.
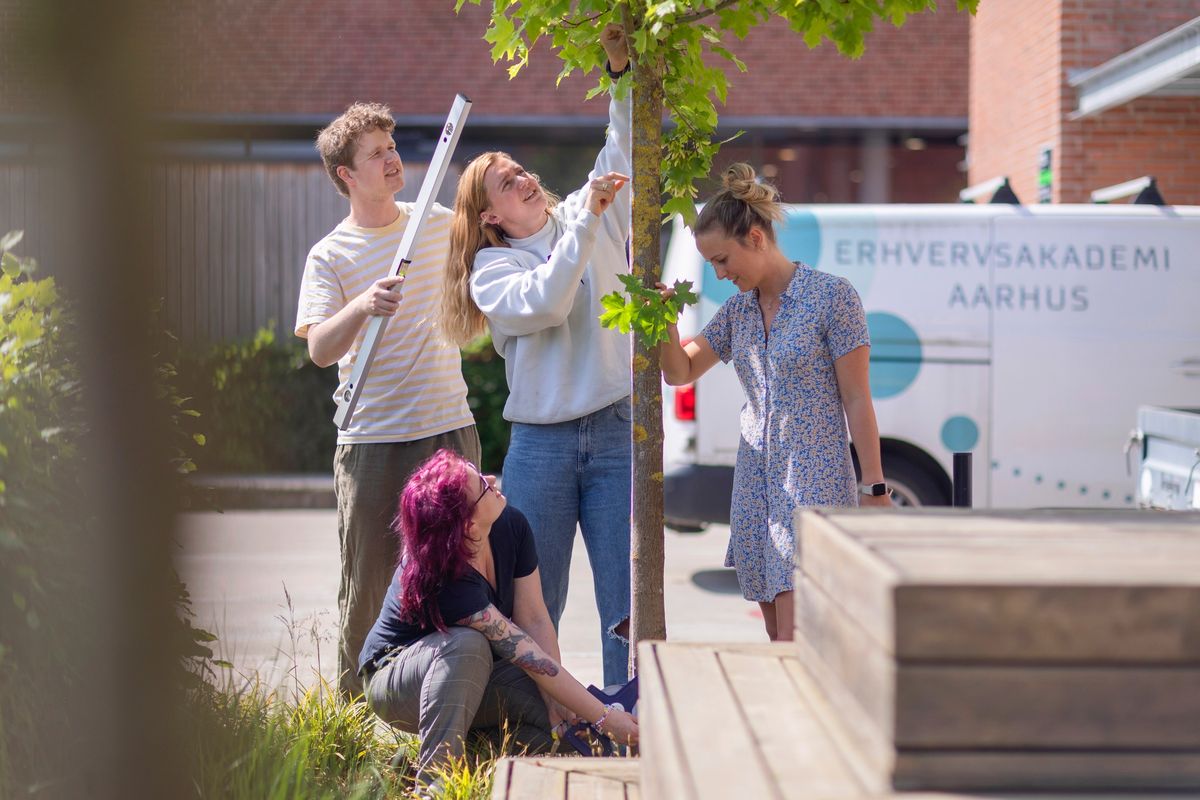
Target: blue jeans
[[578, 472]]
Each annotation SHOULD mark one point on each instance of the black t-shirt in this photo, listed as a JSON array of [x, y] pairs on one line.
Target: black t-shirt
[[515, 557]]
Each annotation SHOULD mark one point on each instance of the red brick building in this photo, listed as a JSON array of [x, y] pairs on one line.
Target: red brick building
[[257, 78], [1111, 89]]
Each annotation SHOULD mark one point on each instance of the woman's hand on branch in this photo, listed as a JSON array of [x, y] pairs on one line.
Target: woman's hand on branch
[[612, 39], [602, 190]]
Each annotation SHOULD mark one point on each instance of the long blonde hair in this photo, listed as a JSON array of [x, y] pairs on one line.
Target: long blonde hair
[[462, 321]]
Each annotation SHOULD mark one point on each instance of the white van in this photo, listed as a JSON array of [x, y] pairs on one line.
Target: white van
[[1027, 335]]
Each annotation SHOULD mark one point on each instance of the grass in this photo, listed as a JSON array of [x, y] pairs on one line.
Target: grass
[[257, 743], [252, 744]]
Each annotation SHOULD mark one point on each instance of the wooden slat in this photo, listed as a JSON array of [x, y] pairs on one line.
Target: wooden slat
[[710, 728], [585, 786], [228, 239], [529, 782], [230, 276], [856, 671], [1040, 594], [801, 759], [976, 705], [1148, 624], [187, 267], [663, 772], [1084, 775], [845, 569], [204, 329], [264, 311], [501, 776], [1051, 707], [246, 253], [216, 254], [174, 270], [867, 749]]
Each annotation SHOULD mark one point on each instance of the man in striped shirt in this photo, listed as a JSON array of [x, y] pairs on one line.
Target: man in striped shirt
[[415, 400]]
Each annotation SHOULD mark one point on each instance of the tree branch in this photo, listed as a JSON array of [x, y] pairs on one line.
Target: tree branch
[[699, 14], [566, 23]]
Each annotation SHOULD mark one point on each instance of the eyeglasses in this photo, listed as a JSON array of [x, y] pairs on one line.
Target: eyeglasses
[[487, 487]]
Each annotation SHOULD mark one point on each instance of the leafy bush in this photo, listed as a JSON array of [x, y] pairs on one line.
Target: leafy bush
[[267, 408], [42, 522], [39, 476], [487, 392]]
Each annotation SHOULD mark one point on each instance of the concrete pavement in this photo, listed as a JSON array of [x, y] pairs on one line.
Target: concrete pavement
[[266, 583]]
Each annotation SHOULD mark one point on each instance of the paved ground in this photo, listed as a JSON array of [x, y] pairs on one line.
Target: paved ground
[[266, 583]]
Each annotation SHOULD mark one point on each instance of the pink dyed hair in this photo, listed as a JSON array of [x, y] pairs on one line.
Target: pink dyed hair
[[432, 523]]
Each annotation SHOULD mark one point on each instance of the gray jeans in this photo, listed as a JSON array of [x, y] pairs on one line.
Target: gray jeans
[[445, 685], [368, 479]]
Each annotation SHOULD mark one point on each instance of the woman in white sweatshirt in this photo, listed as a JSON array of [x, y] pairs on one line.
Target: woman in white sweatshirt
[[533, 270]]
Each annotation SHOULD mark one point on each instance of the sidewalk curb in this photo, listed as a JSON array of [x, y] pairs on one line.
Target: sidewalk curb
[[272, 491]]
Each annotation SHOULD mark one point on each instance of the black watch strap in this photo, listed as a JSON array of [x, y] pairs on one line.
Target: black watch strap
[[614, 75]]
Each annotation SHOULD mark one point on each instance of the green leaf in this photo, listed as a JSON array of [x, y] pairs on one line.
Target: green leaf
[[10, 265], [684, 293], [199, 439]]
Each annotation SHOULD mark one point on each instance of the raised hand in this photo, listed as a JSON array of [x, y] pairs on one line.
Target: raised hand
[[612, 39], [602, 190]]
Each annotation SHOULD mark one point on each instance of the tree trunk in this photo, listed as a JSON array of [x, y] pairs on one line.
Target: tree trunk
[[648, 618]]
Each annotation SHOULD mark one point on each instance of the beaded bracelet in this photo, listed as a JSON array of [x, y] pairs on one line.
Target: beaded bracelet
[[608, 709]]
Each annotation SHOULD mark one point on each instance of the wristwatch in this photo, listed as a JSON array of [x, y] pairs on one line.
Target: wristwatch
[[874, 489]]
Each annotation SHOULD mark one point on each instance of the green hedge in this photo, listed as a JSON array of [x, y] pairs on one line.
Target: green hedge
[[265, 407], [49, 636]]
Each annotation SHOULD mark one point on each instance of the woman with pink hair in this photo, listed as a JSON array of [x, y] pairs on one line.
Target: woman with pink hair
[[463, 640]]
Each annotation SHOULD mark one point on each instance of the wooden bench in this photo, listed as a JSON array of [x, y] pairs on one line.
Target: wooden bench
[[748, 722], [942, 650], [566, 778], [1001, 650], [734, 721]]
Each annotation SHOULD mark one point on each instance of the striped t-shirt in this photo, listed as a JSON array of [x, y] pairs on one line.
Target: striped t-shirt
[[415, 387]]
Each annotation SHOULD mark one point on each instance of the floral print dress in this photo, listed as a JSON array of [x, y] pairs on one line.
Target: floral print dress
[[794, 449]]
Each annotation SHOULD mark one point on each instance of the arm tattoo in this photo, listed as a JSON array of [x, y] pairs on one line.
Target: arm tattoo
[[493, 626], [531, 662]]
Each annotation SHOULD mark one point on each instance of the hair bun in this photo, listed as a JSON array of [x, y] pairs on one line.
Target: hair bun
[[742, 183]]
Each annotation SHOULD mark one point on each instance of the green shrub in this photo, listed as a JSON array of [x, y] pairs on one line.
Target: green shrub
[[43, 634], [39, 477], [267, 408], [487, 392]]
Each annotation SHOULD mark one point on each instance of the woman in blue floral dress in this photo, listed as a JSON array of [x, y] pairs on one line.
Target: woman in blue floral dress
[[798, 341]]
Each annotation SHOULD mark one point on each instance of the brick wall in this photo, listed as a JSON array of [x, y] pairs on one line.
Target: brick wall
[[313, 57], [1157, 136], [1022, 54], [1015, 90]]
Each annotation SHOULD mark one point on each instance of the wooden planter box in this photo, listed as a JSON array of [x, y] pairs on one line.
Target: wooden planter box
[[968, 650]]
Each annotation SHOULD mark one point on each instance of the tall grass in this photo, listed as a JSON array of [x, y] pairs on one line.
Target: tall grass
[[252, 744], [298, 741]]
